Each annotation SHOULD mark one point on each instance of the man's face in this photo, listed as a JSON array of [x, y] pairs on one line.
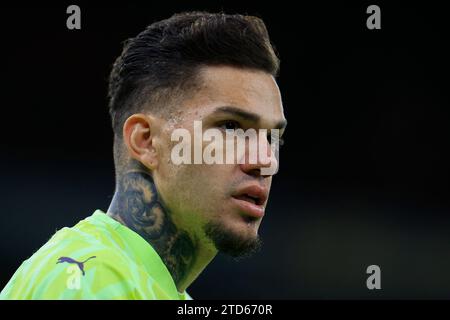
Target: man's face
[[212, 202]]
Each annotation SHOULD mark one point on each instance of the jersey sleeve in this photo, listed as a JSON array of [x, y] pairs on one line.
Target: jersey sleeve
[[80, 274]]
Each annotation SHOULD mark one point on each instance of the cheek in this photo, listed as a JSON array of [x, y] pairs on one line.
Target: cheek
[[204, 182], [196, 187]]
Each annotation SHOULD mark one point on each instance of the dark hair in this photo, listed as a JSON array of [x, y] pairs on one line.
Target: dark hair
[[167, 55]]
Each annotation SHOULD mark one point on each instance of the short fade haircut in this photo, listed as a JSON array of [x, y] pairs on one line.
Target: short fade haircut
[[164, 59]]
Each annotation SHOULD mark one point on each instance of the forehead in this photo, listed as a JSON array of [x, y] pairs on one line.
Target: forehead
[[252, 91]]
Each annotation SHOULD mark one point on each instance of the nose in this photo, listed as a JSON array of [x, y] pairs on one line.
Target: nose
[[266, 163]]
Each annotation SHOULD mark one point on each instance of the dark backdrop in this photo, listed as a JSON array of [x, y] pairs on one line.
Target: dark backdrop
[[364, 176]]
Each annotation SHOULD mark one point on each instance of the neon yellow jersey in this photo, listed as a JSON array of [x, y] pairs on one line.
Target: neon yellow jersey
[[98, 258]]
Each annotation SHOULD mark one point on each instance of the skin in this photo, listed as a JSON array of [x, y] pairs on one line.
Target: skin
[[169, 205]]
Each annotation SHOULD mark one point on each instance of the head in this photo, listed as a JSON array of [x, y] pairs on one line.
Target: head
[[215, 68]]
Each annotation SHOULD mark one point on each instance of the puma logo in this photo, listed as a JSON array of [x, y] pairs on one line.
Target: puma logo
[[79, 264]]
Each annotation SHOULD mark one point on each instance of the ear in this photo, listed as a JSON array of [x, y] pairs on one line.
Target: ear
[[138, 135]]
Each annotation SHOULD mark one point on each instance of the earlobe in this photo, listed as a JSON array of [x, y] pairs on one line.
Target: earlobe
[[138, 137]]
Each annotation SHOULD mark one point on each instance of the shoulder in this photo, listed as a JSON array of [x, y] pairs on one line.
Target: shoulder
[[75, 266]]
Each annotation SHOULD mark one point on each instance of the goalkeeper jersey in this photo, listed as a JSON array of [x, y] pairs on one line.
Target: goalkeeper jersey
[[98, 258]]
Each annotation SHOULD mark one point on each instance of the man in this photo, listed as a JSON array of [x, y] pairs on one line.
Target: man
[[167, 221]]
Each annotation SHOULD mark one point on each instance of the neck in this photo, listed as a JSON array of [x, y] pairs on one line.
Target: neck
[[137, 205]]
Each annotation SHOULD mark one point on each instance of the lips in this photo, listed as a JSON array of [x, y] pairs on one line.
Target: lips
[[251, 200]]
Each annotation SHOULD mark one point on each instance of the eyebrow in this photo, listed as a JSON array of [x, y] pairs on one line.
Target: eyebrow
[[245, 115]]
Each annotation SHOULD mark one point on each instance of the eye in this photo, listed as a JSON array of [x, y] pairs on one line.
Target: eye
[[280, 140], [230, 125]]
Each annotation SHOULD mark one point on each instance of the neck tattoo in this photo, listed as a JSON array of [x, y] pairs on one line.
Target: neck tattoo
[[137, 205]]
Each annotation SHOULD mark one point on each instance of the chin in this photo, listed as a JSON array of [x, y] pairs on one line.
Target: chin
[[237, 239]]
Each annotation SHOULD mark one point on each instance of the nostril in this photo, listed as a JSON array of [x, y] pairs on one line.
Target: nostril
[[254, 172]]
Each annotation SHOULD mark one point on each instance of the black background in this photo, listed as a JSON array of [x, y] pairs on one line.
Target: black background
[[363, 178]]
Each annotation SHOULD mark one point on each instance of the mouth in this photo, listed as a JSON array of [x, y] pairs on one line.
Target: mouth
[[251, 200]]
